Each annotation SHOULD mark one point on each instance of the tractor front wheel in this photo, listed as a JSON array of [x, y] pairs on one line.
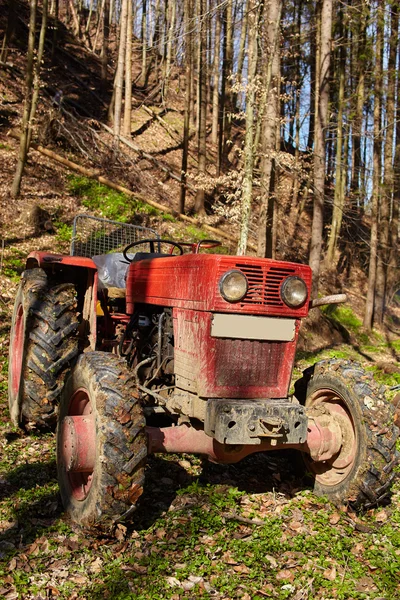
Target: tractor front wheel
[[362, 472], [101, 441], [43, 345]]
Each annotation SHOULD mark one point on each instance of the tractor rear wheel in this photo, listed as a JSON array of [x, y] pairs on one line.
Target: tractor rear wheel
[[362, 472], [43, 345], [101, 441]]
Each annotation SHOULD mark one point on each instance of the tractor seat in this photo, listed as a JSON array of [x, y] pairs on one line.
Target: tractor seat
[[112, 268]]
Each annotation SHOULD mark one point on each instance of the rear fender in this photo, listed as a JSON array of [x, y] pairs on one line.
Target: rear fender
[[81, 271]]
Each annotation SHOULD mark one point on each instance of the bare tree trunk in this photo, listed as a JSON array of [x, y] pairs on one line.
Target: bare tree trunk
[[155, 32], [11, 22], [55, 29], [242, 48], [314, 47], [188, 91], [202, 125], [228, 108], [216, 69], [321, 121], [247, 186], [143, 76], [171, 28], [36, 83], [222, 102], [388, 179], [359, 104], [89, 16], [75, 18], [340, 170], [119, 76], [270, 120], [104, 48], [23, 147], [128, 74], [393, 271], [376, 183]]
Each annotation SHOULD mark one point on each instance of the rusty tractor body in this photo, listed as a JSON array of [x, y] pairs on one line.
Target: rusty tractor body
[[105, 343]]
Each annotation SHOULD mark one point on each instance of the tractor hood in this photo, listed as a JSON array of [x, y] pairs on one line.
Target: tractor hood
[[192, 281]]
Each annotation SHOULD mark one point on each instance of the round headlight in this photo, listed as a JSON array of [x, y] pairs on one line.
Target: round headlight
[[233, 286], [294, 292]]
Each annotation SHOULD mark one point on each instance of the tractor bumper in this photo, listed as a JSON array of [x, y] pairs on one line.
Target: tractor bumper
[[324, 439], [255, 421]]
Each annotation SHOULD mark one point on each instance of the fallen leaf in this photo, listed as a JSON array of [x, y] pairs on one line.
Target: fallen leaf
[[188, 585], [78, 579], [195, 579], [53, 591], [120, 532], [366, 584], [381, 516], [173, 582], [271, 561], [241, 569], [285, 574], [140, 569], [295, 525], [334, 518], [96, 566], [12, 564], [330, 574]]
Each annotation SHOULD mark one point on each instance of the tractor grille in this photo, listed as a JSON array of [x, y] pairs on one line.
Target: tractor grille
[[264, 283], [245, 363]]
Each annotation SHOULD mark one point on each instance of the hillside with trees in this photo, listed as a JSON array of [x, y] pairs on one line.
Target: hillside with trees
[[273, 126], [280, 120]]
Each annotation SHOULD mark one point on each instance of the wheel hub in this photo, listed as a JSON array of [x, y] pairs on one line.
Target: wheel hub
[[331, 463], [18, 349], [78, 444]]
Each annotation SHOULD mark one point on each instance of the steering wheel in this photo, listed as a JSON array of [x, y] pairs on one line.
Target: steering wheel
[[151, 242], [206, 244]]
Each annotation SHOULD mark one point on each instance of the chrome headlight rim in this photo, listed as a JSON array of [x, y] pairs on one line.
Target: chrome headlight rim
[[223, 279], [284, 286]]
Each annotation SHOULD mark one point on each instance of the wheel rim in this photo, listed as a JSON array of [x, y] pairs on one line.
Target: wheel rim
[[79, 424], [17, 350], [335, 470]]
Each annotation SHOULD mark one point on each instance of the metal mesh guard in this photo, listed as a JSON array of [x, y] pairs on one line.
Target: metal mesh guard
[[92, 236]]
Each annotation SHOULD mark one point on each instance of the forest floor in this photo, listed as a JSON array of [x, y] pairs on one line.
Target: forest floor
[[250, 531]]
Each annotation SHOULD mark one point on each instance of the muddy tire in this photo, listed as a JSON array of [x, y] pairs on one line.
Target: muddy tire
[[43, 346], [100, 414], [361, 474]]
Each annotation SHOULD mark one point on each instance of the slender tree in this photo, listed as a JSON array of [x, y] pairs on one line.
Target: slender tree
[[216, 74], [247, 186], [324, 28], [270, 127], [9, 33], [23, 146], [119, 76], [383, 257], [128, 73], [188, 92], [341, 166], [104, 46], [376, 183], [202, 124]]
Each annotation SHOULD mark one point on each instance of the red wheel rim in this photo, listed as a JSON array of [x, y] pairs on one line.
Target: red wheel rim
[[17, 350], [335, 470], [80, 477]]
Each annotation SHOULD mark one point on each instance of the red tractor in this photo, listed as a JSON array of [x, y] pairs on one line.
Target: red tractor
[[103, 342]]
